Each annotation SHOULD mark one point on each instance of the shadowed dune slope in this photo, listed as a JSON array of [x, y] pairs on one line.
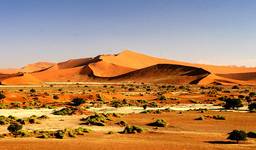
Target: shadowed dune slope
[[248, 76], [163, 73]]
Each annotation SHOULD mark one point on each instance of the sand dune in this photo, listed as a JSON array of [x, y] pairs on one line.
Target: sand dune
[[105, 69], [26, 79], [36, 67], [128, 66], [164, 73], [247, 76]]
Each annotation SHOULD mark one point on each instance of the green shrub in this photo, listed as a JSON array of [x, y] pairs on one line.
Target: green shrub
[[219, 117], [60, 134], [237, 135], [116, 104], [14, 127], [77, 101], [132, 130], [65, 111], [97, 119], [158, 123], [2, 96], [252, 107], [122, 123], [233, 103]]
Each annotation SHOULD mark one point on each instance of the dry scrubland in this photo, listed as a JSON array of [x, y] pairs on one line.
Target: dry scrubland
[[126, 116]]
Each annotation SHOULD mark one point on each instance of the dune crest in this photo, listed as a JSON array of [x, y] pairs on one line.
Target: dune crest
[[128, 66]]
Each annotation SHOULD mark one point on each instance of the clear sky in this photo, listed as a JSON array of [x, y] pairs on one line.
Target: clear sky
[[201, 31]]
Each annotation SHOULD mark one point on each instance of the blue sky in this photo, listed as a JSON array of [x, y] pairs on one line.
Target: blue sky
[[201, 31]]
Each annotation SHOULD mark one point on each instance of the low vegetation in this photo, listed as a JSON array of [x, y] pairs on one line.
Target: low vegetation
[[158, 123]]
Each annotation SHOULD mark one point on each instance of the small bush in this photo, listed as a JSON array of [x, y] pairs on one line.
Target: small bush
[[219, 117], [122, 123], [132, 130], [252, 107], [233, 103], [158, 123], [2, 96], [65, 111], [32, 91], [237, 135], [97, 119], [251, 134], [59, 134], [77, 102], [14, 127]]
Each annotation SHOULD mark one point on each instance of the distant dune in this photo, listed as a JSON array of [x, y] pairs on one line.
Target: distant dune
[[128, 66]]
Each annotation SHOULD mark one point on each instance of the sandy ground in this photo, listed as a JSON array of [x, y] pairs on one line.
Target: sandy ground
[[182, 133]]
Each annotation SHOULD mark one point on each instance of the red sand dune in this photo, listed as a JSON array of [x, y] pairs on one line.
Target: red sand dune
[[26, 79], [163, 73], [129, 66]]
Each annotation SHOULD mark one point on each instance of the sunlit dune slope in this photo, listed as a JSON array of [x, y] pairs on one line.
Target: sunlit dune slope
[[26, 79]]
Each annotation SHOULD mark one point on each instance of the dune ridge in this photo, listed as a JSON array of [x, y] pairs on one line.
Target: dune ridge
[[128, 66]]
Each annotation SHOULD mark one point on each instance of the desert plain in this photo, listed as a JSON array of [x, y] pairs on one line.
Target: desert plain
[[127, 101]]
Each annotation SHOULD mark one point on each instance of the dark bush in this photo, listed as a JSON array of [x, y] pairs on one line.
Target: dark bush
[[158, 123], [251, 134], [14, 127], [132, 130], [252, 107], [233, 103], [77, 102], [237, 135], [2, 96]]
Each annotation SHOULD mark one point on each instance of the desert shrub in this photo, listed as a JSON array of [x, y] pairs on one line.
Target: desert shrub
[[233, 103], [32, 91], [43, 117], [153, 104], [252, 94], [122, 123], [21, 121], [4, 120], [3, 106], [237, 135], [77, 101], [97, 119], [59, 134], [81, 131], [251, 134], [65, 111], [2, 96], [14, 127], [55, 97], [219, 117], [158, 123], [252, 107], [162, 97], [24, 133], [132, 130], [116, 104], [235, 87], [110, 132]]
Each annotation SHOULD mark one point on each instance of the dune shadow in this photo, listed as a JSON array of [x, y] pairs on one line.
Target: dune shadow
[[221, 142]]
